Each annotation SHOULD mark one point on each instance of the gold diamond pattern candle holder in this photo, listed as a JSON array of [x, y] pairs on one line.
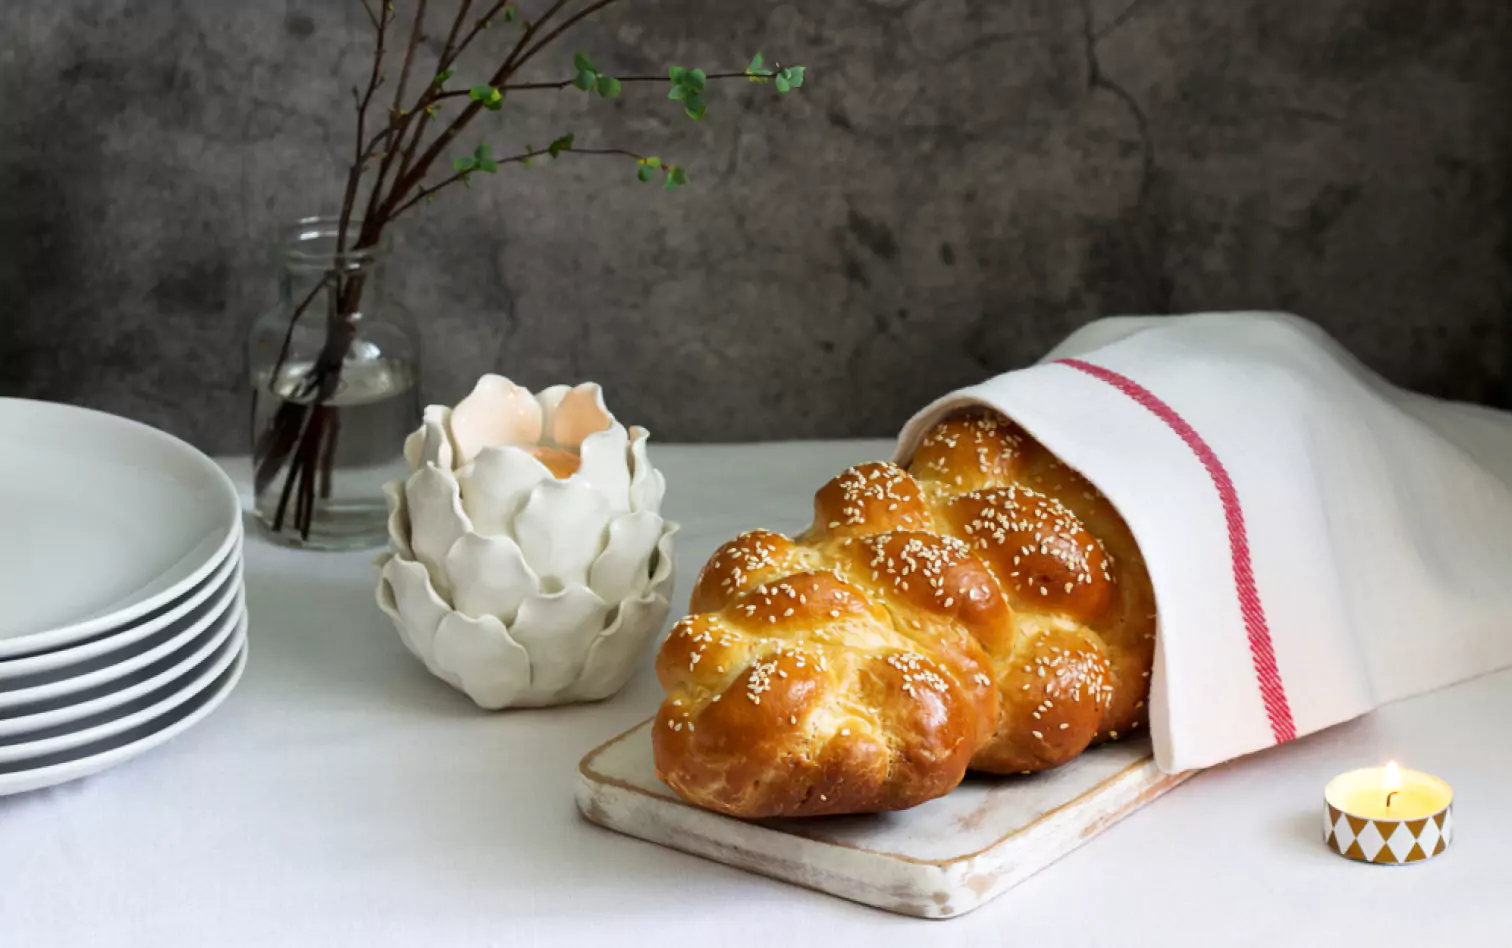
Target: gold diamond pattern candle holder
[[1388, 816]]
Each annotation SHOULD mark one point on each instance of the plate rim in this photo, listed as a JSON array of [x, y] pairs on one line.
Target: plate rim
[[233, 597], [130, 634], [204, 646], [57, 636], [196, 680], [26, 781]]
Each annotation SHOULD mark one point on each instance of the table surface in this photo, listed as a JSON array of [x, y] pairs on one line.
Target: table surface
[[343, 796]]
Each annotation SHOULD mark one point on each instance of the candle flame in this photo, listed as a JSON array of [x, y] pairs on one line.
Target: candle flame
[[1393, 777]]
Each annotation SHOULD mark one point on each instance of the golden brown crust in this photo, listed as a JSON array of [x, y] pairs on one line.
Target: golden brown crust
[[984, 608]]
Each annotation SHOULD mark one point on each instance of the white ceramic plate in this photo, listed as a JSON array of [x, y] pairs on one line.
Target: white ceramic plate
[[71, 710], [115, 641], [21, 776], [105, 521], [142, 711], [34, 689]]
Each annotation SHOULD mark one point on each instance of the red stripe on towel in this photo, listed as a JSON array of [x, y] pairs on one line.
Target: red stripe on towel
[[1272, 692]]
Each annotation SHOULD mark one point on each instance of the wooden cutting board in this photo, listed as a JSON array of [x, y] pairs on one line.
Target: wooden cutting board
[[937, 860]]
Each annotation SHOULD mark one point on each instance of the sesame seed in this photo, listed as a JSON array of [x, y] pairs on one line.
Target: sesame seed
[[845, 732], [1037, 735]]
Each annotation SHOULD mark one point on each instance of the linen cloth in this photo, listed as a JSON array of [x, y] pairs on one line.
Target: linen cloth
[[1320, 542]]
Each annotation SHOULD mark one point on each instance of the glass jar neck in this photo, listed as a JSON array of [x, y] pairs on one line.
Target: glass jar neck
[[313, 251]]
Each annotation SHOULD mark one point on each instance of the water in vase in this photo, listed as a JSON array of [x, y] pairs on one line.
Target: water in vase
[[374, 408]]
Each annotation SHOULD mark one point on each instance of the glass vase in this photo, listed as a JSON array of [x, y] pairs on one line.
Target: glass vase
[[334, 368]]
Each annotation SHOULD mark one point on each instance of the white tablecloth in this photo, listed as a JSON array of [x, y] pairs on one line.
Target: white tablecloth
[[342, 797]]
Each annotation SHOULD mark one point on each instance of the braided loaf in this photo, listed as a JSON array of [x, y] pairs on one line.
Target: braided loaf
[[986, 608]]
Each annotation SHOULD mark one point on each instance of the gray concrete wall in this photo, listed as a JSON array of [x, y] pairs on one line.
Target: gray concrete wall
[[959, 184]]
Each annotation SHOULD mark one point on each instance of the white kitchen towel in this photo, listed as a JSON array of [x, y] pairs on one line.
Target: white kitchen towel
[[1320, 541]]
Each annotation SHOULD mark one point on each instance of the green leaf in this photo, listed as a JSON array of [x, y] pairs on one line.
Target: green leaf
[[756, 63], [782, 83], [795, 76], [608, 87], [560, 145], [582, 63], [441, 77], [481, 93], [489, 165], [484, 150], [695, 106], [676, 74], [677, 92], [509, 13], [652, 161], [494, 105], [585, 79], [465, 163], [467, 181], [676, 177], [645, 173], [697, 79]]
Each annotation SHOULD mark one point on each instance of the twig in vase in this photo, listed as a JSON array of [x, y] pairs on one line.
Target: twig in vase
[[271, 456], [302, 435]]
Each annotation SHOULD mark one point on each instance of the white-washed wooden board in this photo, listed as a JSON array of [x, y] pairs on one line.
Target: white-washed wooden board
[[937, 860]]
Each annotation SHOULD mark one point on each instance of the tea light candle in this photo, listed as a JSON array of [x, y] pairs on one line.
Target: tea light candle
[[1388, 815]]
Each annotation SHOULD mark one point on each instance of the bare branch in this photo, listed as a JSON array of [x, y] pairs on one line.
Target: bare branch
[[450, 50], [512, 159], [414, 170], [567, 24], [516, 86], [354, 177], [398, 119], [481, 24], [416, 34], [530, 30], [432, 92]]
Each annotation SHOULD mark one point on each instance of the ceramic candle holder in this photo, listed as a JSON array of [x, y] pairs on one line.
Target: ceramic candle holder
[[530, 564], [1414, 826]]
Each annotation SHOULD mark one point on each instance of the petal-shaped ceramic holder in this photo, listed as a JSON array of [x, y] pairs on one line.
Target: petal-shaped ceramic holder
[[514, 584]]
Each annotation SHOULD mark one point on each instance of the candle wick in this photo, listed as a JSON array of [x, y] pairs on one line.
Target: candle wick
[[1389, 796]]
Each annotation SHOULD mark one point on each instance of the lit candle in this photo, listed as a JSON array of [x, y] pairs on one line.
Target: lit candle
[[1388, 815]]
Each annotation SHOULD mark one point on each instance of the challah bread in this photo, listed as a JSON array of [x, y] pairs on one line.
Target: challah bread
[[986, 608]]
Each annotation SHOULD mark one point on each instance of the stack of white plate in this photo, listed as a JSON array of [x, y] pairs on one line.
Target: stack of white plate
[[122, 616]]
